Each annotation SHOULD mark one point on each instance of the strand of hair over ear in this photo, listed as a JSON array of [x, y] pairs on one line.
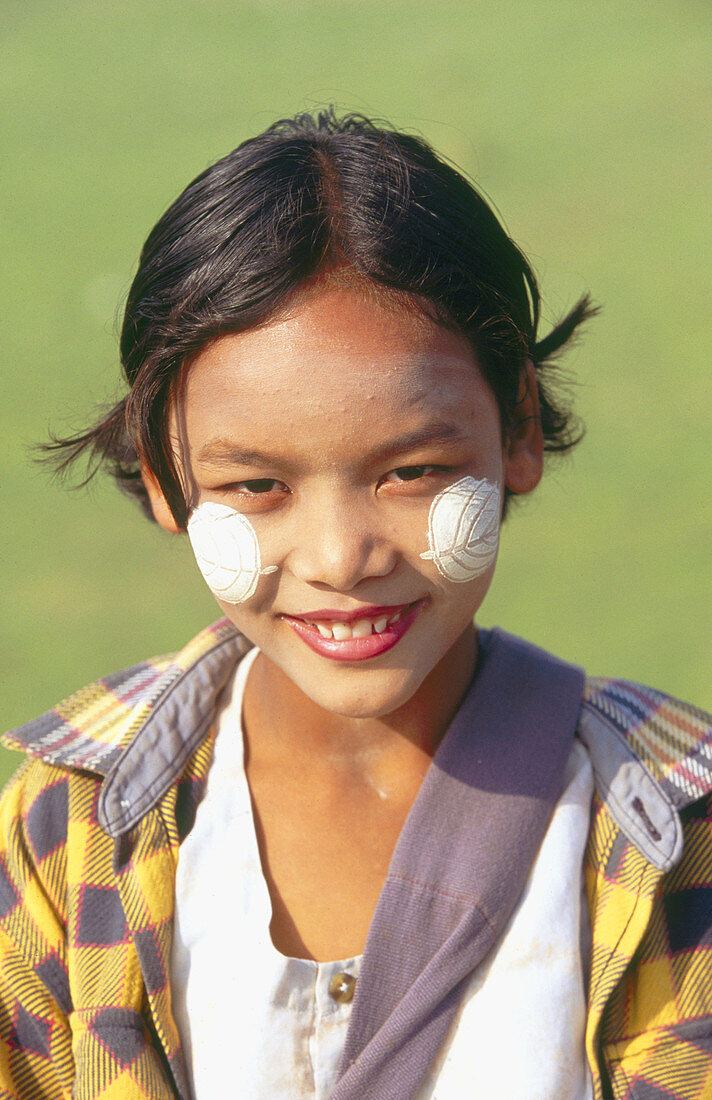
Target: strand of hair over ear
[[561, 428], [560, 335]]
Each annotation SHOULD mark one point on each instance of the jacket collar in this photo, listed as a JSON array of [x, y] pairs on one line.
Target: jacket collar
[[137, 728], [652, 757]]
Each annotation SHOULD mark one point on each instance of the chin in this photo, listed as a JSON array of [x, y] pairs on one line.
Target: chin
[[372, 697]]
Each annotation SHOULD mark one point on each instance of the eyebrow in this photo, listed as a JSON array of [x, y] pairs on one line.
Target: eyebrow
[[434, 433], [222, 452]]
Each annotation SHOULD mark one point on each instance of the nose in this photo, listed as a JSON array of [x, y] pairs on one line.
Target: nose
[[339, 547]]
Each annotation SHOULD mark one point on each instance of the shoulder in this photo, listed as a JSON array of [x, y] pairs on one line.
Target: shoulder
[[111, 750], [34, 822], [671, 738], [652, 761], [91, 728], [630, 728]]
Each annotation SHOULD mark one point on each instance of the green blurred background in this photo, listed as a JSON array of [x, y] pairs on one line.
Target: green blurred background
[[587, 124]]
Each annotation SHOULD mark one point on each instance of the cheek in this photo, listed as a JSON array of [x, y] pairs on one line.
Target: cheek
[[463, 529], [227, 552]]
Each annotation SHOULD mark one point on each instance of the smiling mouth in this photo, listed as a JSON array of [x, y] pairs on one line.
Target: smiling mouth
[[354, 636], [339, 631]]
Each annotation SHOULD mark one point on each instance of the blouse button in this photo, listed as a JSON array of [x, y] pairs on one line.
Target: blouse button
[[341, 987]]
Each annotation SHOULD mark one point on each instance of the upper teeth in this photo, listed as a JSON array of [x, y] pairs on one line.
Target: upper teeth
[[362, 628]]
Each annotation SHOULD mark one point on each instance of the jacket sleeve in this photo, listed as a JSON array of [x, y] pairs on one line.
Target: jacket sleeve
[[660, 1023], [35, 1037]]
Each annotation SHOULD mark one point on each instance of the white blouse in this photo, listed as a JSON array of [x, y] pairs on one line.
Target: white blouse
[[253, 1022], [257, 1024]]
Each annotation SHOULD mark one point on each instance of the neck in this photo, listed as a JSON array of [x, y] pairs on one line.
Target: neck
[[285, 720]]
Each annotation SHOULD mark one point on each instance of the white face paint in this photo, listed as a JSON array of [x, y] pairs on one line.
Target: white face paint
[[227, 552], [463, 529]]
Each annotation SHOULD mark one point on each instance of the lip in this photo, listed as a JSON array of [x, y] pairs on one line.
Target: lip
[[368, 611], [356, 649]]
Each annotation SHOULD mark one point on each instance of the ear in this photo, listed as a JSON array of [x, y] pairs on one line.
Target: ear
[[159, 505], [524, 441]]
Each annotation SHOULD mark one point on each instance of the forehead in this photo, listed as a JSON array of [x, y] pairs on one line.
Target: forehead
[[337, 357]]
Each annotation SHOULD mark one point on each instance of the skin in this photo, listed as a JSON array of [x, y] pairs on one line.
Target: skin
[[336, 752]]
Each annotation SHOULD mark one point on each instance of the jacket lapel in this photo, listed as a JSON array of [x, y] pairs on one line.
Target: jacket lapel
[[460, 864]]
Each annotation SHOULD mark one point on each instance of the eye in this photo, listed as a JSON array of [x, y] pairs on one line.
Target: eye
[[254, 494], [409, 473], [256, 486]]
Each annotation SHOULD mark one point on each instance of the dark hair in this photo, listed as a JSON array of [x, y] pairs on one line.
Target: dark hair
[[313, 193]]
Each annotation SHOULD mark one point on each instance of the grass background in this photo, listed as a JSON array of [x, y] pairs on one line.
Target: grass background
[[587, 125]]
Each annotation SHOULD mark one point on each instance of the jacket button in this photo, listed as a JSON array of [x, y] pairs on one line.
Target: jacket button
[[341, 987]]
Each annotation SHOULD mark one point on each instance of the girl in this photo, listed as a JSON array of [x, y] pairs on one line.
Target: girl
[[344, 843]]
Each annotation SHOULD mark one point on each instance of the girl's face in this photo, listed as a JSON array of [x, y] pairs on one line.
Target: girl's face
[[332, 429]]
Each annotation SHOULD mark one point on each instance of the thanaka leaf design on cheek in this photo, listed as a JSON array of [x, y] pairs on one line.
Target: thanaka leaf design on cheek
[[463, 529], [227, 552]]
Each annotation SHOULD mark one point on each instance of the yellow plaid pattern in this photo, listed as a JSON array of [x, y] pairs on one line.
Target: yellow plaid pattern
[[650, 1014], [85, 916]]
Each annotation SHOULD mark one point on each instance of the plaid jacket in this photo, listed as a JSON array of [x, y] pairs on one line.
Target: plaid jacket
[[89, 835]]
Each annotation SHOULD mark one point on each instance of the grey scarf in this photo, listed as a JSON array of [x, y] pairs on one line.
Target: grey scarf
[[460, 864]]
